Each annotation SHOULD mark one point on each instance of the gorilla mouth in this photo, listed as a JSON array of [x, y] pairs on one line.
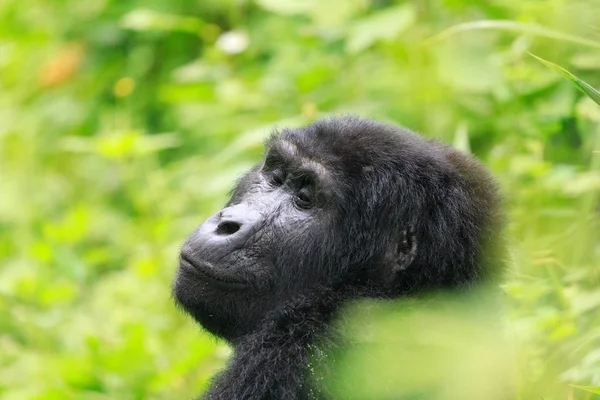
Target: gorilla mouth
[[208, 271]]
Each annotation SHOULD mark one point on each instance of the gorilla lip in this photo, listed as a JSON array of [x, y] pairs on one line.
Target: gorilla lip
[[206, 271]]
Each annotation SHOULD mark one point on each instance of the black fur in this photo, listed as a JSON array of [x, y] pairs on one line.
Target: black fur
[[341, 209]]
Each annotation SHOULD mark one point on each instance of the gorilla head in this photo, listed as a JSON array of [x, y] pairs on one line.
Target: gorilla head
[[344, 205]]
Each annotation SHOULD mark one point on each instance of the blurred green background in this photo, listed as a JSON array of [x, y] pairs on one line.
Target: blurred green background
[[123, 123]]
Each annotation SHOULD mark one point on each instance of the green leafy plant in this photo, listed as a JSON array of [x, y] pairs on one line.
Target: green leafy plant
[[123, 125]]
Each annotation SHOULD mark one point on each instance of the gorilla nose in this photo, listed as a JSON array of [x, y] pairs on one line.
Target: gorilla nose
[[224, 232], [228, 228]]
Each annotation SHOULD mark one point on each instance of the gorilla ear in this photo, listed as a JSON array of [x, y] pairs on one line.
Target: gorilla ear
[[406, 251]]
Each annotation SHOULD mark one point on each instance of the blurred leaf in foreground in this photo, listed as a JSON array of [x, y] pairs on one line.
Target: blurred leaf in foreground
[[439, 347]]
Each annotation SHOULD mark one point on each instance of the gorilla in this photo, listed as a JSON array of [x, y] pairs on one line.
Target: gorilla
[[343, 209]]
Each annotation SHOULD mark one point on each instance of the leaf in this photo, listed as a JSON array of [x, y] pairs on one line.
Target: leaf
[[121, 144], [386, 24], [148, 20], [461, 138], [591, 389], [581, 84], [288, 7]]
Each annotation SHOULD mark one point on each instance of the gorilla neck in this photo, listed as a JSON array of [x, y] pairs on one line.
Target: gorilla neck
[[272, 362]]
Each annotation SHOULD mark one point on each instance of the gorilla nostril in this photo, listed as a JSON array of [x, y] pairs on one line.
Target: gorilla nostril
[[227, 228]]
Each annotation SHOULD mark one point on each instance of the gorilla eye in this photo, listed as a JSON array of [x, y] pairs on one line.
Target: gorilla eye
[[304, 198], [278, 177]]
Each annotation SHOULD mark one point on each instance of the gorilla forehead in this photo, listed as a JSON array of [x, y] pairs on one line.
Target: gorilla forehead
[[354, 145], [303, 158]]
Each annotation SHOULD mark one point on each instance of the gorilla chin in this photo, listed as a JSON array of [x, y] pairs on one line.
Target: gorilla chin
[[342, 209], [225, 308]]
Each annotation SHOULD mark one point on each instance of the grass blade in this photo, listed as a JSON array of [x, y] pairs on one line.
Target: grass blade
[[591, 389], [581, 84], [513, 26]]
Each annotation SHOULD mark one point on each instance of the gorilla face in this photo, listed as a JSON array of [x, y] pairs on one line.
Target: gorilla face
[[237, 265], [275, 238], [342, 202]]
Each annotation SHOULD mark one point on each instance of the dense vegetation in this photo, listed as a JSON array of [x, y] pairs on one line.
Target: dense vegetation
[[123, 124]]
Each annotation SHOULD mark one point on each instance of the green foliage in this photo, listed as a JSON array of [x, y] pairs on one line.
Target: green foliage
[[123, 124]]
